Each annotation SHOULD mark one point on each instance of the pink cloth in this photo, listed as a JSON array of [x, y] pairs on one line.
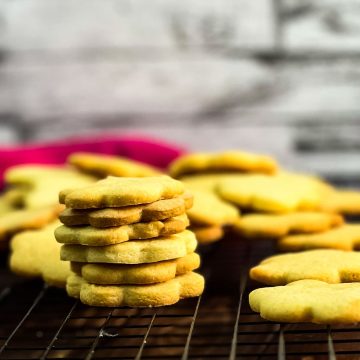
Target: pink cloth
[[154, 152]]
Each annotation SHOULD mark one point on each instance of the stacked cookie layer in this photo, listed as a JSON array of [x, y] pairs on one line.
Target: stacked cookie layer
[[127, 242]]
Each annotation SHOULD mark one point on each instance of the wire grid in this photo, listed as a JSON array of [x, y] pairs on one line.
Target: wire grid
[[38, 322]]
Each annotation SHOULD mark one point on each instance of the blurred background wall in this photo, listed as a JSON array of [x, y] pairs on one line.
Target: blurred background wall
[[278, 76]]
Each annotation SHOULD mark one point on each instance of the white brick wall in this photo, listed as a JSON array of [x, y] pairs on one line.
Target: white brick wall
[[328, 25], [207, 74], [57, 25]]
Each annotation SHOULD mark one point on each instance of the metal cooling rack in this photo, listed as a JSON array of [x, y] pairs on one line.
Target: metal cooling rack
[[39, 322]]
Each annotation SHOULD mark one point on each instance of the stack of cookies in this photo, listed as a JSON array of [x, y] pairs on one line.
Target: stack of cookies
[[127, 242], [319, 283], [275, 203], [201, 172]]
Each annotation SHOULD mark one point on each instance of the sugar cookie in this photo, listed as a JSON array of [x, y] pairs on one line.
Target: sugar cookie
[[274, 226], [134, 251], [118, 192], [41, 184], [209, 209], [331, 266], [112, 274], [88, 235], [345, 237], [223, 161], [158, 210], [105, 165], [308, 301], [35, 253], [160, 294]]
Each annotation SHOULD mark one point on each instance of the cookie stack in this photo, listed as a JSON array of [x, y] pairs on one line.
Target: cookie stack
[[127, 242], [201, 173], [275, 202]]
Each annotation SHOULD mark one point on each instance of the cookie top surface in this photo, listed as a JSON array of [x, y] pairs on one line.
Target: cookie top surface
[[160, 294], [30, 174], [280, 193], [118, 192], [35, 253], [210, 209], [134, 251], [274, 226], [206, 182], [158, 210], [105, 165], [40, 185], [223, 161], [207, 234], [88, 235], [26, 219], [342, 201], [308, 301], [344, 237], [331, 266]]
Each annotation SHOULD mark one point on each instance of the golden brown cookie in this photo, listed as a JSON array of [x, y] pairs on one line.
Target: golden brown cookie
[[331, 266], [280, 193], [308, 301], [112, 274], [26, 219], [104, 165], [118, 192], [35, 253], [207, 234], [160, 294], [158, 210], [210, 210], [135, 251], [222, 161], [88, 235], [274, 226], [345, 237], [40, 184]]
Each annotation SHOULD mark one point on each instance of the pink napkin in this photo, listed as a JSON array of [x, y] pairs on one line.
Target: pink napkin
[[154, 152]]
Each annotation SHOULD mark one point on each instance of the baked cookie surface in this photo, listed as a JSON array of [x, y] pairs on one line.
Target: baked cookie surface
[[345, 202], [281, 193], [344, 237], [158, 210], [110, 274], [134, 251], [308, 301], [40, 184], [207, 234], [222, 161], [331, 266], [88, 235], [105, 165], [118, 192], [274, 226], [26, 219], [209, 209], [35, 253], [165, 293], [206, 182]]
